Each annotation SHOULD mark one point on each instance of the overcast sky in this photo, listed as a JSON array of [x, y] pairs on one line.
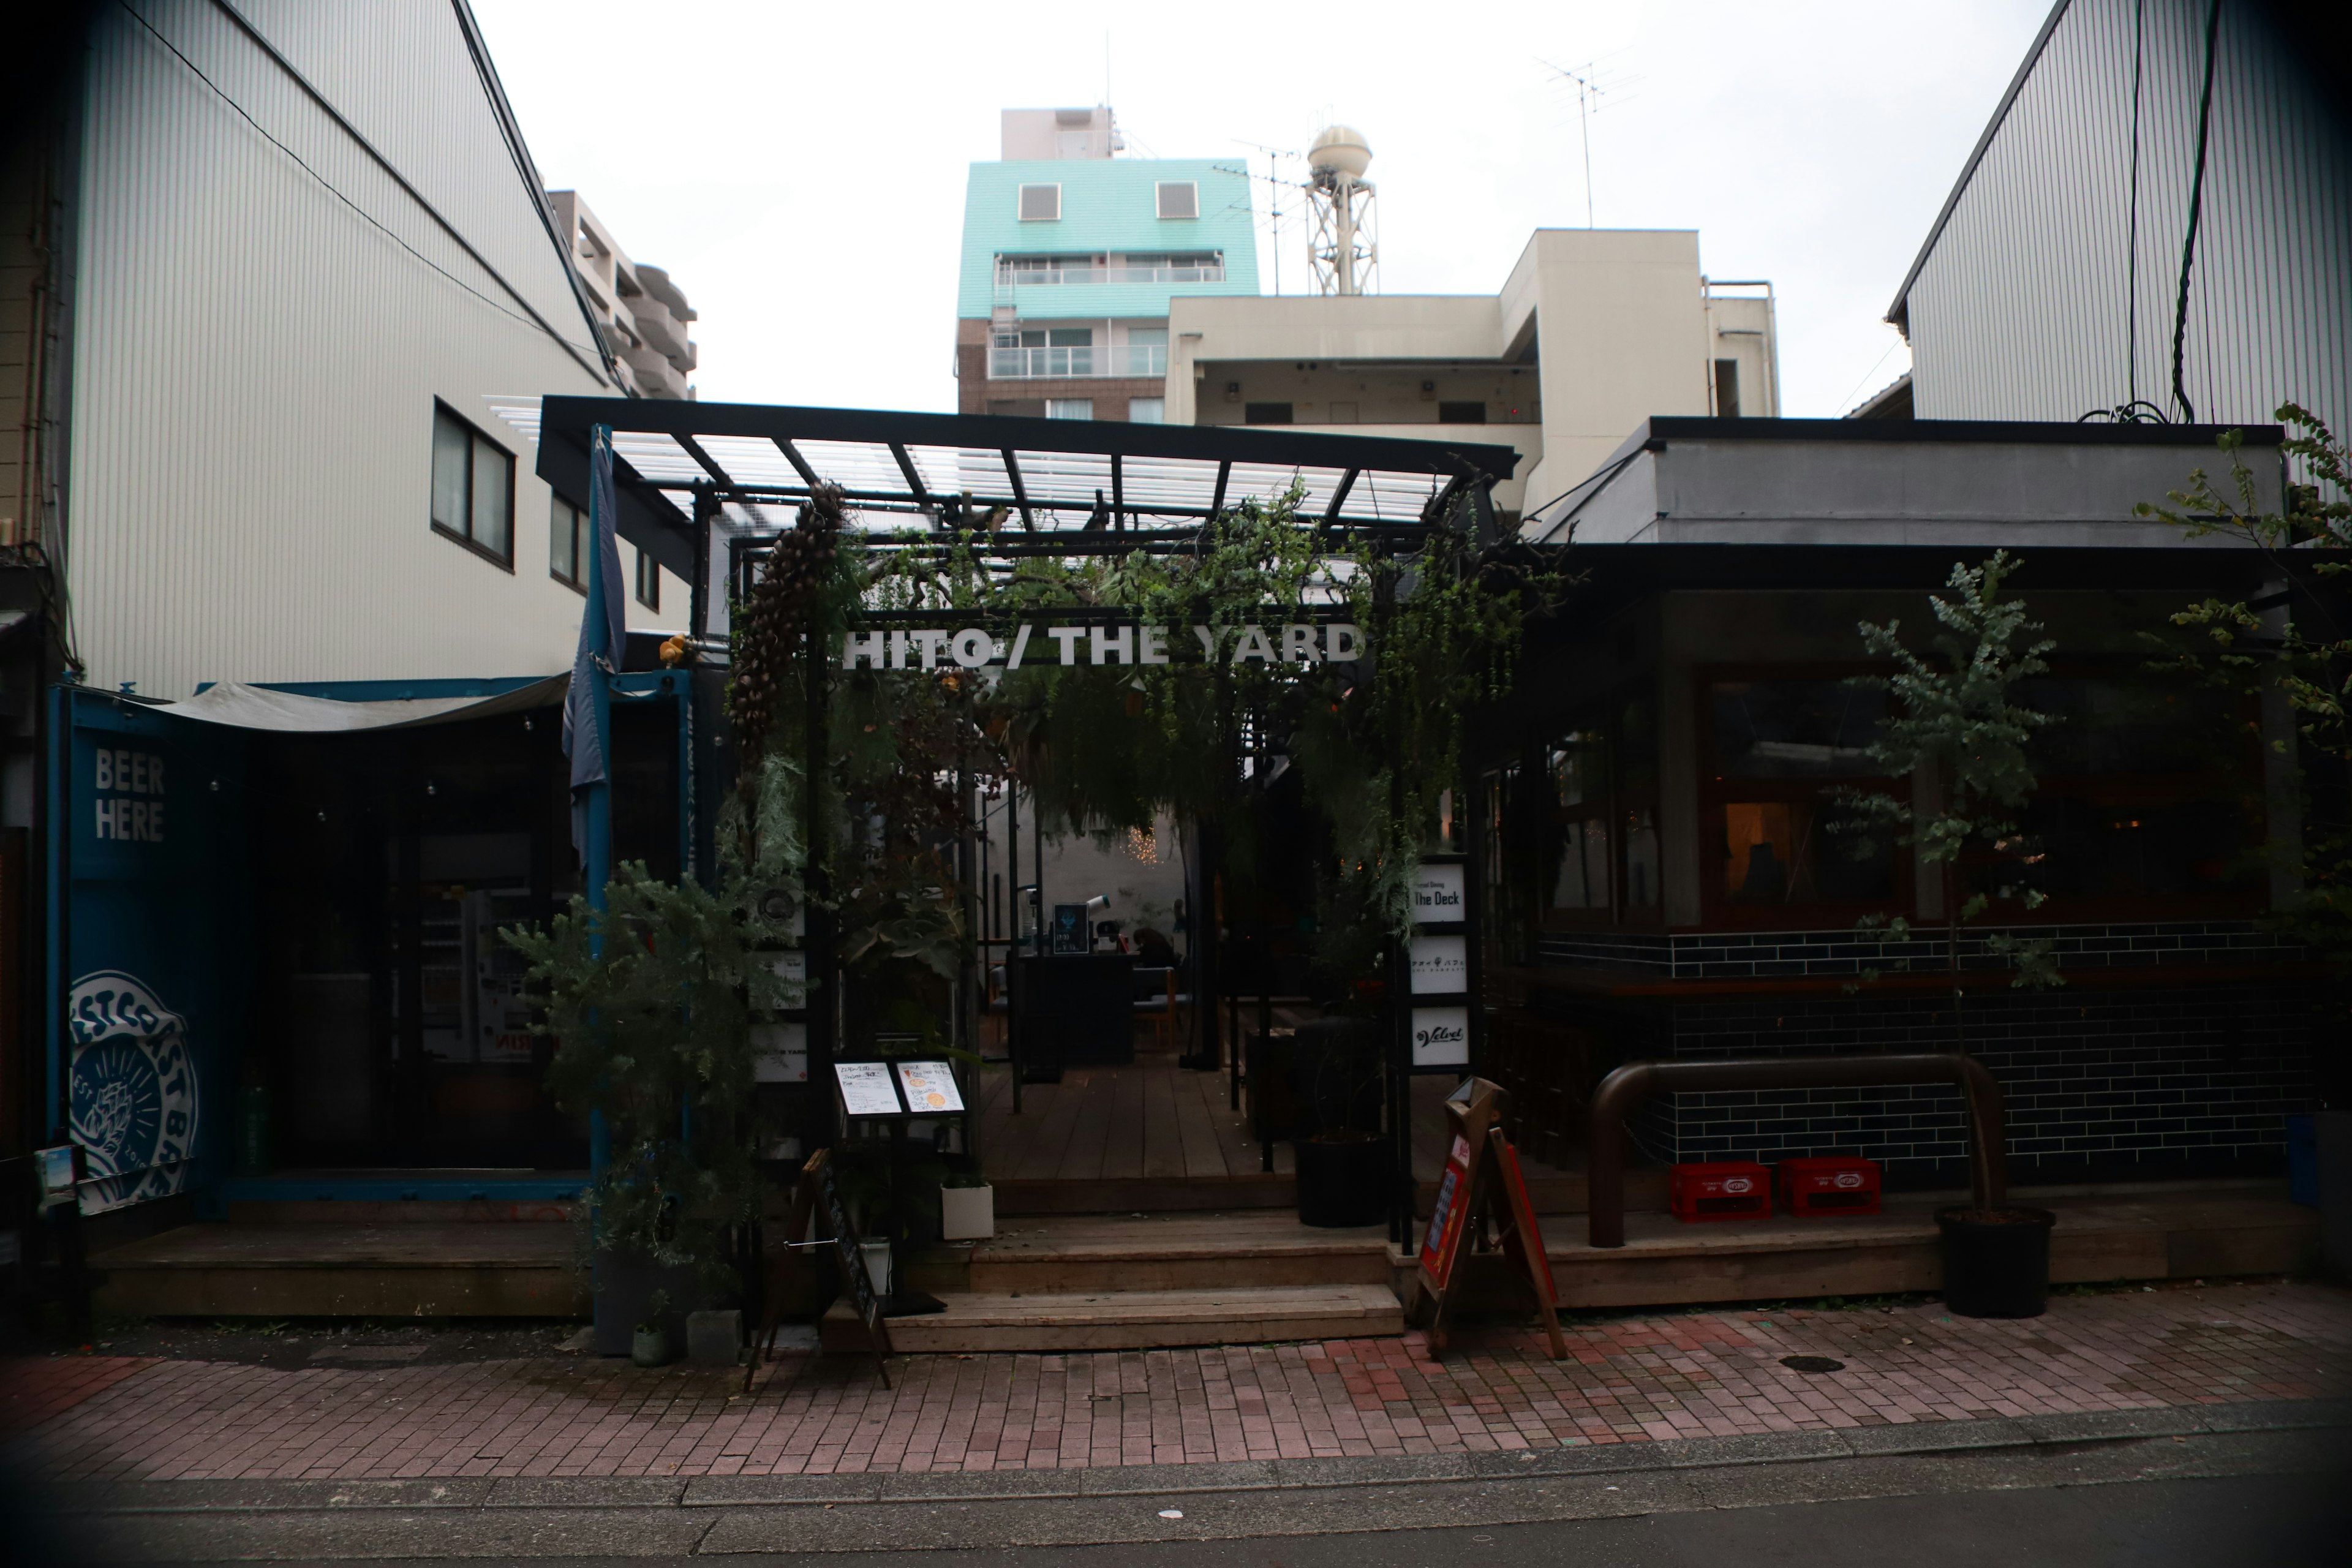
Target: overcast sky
[[799, 168]]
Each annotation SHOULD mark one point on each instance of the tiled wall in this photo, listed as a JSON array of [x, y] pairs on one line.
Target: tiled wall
[[2100, 1083]]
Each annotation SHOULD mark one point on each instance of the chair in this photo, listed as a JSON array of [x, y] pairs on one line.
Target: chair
[[1161, 1004]]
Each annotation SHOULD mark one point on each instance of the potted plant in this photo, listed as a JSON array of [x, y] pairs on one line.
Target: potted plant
[[1343, 1161], [649, 1345]]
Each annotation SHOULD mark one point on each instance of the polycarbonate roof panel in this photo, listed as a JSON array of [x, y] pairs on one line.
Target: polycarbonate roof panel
[[1387, 496], [751, 459], [657, 457], [1269, 481], [1070, 478], [1168, 482]]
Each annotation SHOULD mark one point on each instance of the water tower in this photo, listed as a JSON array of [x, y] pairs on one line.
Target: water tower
[[1344, 248]]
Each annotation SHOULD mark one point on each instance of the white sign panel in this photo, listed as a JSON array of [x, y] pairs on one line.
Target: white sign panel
[[781, 1053], [1441, 1036], [929, 1087], [1441, 966], [866, 1088], [1437, 896], [791, 971]]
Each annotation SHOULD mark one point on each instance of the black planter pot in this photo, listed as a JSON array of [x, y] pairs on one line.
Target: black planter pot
[[1343, 1184], [1997, 1261], [624, 1286]]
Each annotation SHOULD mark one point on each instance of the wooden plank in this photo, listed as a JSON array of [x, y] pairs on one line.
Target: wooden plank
[[1064, 1103], [1082, 1158], [1203, 1155], [1163, 1143], [1123, 1154]]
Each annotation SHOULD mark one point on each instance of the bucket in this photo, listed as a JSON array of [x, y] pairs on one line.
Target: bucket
[[1996, 1261]]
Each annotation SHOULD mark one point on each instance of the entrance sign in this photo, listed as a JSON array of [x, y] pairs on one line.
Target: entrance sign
[[1441, 1038], [972, 647], [1441, 966]]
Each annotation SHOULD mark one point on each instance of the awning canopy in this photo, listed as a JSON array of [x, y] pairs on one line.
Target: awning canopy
[[237, 706]]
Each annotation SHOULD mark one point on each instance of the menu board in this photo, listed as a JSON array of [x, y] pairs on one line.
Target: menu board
[[929, 1087], [866, 1088]]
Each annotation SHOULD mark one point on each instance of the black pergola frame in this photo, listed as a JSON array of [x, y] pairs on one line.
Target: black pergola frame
[[981, 521]]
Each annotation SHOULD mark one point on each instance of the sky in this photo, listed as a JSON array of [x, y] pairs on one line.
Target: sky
[[799, 168]]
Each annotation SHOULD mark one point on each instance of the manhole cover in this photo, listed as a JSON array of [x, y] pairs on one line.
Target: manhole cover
[[1811, 1363]]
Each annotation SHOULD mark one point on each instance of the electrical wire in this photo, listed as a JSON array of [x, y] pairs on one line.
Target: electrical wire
[[2196, 205]]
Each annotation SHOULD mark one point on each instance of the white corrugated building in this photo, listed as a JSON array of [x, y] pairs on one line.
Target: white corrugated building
[[308, 250]]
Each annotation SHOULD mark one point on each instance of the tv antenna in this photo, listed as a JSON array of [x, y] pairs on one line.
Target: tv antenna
[[1276, 185], [1591, 87]]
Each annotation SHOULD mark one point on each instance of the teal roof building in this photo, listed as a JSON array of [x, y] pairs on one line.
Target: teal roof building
[[1069, 258]]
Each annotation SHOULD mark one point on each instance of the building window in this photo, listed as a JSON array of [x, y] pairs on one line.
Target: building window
[[567, 544], [1265, 413], [1180, 198], [473, 487], [1599, 826], [1462, 414], [1070, 408], [2137, 797], [1146, 411], [1726, 389], [648, 581], [1040, 204], [1778, 750]]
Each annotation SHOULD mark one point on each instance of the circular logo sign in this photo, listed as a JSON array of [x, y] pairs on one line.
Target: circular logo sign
[[1737, 1184], [134, 1088], [1849, 1178]]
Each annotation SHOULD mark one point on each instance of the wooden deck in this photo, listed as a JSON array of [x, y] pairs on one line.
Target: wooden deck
[[509, 1269], [1147, 1137], [1154, 1138]]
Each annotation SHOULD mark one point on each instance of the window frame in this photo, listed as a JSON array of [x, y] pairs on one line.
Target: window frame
[[649, 571], [579, 583], [476, 437], [1021, 200]]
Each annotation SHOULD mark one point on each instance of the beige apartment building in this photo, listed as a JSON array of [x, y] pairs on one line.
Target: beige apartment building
[[1594, 331], [641, 314]]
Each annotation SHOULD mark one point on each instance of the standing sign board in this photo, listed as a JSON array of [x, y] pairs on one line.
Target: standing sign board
[[1481, 1186]]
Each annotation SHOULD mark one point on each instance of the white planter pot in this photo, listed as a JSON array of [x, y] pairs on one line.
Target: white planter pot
[[967, 1213]]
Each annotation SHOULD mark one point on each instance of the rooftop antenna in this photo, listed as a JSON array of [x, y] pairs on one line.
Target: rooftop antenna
[[1276, 185], [1590, 89], [1344, 249]]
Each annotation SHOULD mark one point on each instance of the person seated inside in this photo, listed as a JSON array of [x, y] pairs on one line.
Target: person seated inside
[[1153, 951]]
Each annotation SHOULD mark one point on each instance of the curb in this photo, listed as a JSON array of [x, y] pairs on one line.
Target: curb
[[640, 1492]]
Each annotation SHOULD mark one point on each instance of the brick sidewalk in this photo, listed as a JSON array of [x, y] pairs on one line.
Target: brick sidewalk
[[1628, 1380]]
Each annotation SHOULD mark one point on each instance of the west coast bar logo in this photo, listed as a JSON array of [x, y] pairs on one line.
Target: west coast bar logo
[[935, 647], [133, 1090]]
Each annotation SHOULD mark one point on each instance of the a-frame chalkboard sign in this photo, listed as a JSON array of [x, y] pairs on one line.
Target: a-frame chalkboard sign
[[1482, 1184], [818, 1195]]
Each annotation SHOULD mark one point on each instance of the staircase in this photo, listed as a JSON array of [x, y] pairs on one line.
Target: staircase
[[1095, 1283]]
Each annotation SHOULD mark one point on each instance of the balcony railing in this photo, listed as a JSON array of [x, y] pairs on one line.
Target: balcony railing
[[1029, 364], [1024, 277]]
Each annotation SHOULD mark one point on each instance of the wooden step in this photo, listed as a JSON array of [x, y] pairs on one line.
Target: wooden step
[[1144, 1194], [480, 1270], [1174, 1252], [984, 1322], [2102, 1235]]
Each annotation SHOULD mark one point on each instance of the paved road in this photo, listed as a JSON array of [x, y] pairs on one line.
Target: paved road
[[2272, 1495]]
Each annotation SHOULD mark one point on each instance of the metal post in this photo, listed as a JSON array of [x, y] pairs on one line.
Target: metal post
[[817, 918], [1013, 1020]]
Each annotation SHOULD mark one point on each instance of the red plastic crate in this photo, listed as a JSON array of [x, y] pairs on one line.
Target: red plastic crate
[[1829, 1185], [1719, 1189]]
